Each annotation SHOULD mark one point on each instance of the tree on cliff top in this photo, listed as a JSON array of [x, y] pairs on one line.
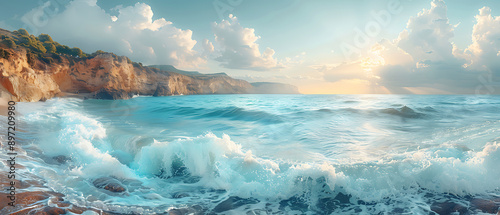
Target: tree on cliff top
[[22, 31], [43, 44], [51, 48], [9, 43], [45, 38], [31, 42], [77, 52]]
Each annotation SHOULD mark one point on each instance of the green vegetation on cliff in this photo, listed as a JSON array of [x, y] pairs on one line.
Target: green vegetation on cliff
[[39, 46], [42, 47]]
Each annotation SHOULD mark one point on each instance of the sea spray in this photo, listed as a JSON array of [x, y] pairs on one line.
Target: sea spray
[[176, 153]]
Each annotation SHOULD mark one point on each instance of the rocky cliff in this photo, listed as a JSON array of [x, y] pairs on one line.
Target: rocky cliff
[[30, 72]]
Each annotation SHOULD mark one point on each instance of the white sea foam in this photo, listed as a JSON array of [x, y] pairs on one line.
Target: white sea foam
[[160, 172]]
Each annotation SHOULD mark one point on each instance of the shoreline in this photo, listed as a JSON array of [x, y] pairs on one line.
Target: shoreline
[[5, 97], [74, 95]]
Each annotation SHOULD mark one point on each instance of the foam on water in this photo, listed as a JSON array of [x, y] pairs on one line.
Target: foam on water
[[396, 173]]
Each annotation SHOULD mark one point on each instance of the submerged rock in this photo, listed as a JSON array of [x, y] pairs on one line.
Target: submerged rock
[[109, 184], [51, 211], [486, 206], [111, 94], [445, 208]]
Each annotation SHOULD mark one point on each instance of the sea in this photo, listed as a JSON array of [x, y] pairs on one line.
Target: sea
[[265, 154]]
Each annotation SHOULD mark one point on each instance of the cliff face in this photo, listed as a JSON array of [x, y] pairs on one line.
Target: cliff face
[[106, 76], [37, 68], [22, 81]]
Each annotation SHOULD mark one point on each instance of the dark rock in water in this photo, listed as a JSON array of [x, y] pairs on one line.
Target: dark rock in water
[[41, 211], [51, 211], [448, 208], [233, 202], [486, 206], [111, 94], [109, 184], [61, 159]]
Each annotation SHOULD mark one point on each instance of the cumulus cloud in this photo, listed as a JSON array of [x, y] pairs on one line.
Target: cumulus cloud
[[239, 49], [423, 59], [208, 46], [428, 35], [133, 33], [483, 52], [427, 40]]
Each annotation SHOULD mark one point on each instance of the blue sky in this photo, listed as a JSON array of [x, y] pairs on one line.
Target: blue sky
[[292, 41]]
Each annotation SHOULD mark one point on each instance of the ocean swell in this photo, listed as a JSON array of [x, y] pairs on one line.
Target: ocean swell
[[96, 164]]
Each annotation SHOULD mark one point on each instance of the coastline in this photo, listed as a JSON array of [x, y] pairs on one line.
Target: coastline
[[5, 97], [75, 95]]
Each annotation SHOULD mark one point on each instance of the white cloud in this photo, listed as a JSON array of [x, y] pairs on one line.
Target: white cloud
[[239, 49], [483, 52], [429, 34], [140, 17], [383, 54], [132, 33], [423, 56], [208, 47]]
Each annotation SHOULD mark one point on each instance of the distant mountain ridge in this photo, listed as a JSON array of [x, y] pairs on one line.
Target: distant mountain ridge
[[171, 68], [38, 68], [258, 87]]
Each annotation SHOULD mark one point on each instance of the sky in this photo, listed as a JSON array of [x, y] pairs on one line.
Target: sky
[[320, 46]]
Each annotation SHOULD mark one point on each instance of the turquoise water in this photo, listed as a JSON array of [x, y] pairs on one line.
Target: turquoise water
[[263, 154]]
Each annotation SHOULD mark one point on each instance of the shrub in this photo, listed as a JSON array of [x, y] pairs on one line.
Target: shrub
[[9, 43], [25, 40], [51, 48], [32, 43], [45, 38], [98, 52], [62, 49], [76, 52], [22, 31]]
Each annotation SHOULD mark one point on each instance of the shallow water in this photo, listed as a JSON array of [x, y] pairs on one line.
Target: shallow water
[[261, 154]]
